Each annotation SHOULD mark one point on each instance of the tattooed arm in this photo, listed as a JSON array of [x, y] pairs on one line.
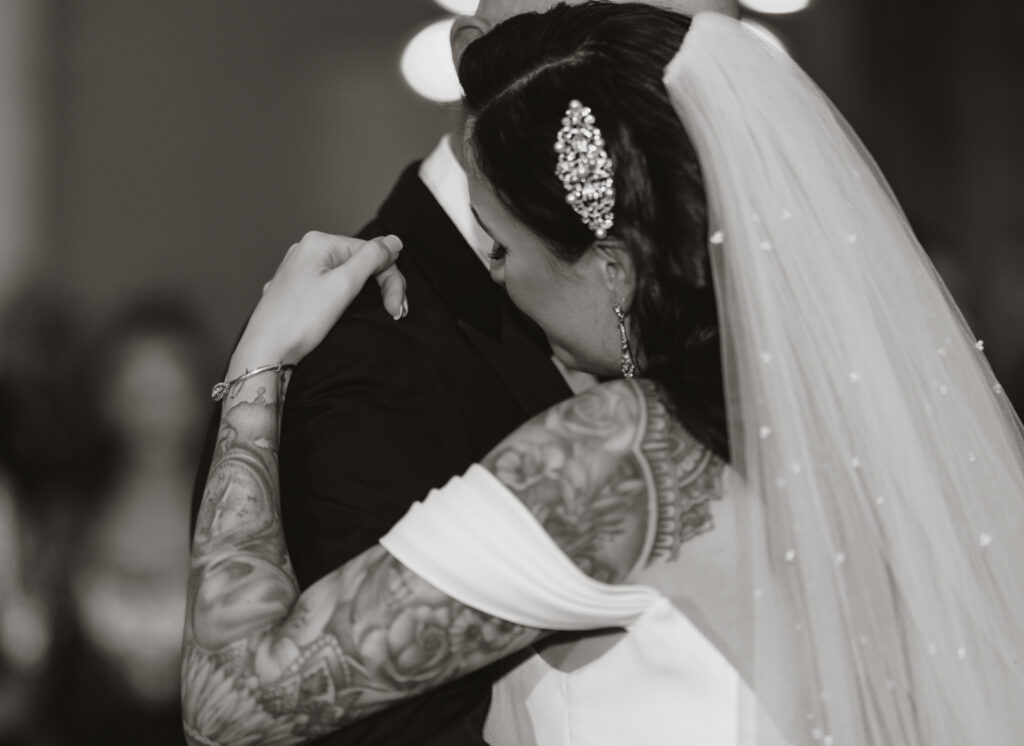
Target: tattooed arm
[[609, 475], [265, 664]]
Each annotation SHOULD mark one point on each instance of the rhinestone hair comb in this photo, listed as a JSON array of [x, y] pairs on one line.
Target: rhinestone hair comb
[[585, 169]]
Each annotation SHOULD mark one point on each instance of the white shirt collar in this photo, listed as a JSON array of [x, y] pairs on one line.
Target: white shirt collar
[[447, 181]]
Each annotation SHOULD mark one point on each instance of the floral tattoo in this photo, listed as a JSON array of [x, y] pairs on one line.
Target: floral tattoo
[[612, 477], [608, 474]]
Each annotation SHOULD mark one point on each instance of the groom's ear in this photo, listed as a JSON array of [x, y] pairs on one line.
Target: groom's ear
[[615, 264], [465, 31]]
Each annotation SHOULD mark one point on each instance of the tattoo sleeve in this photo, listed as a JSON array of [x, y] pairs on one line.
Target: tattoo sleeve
[[609, 475]]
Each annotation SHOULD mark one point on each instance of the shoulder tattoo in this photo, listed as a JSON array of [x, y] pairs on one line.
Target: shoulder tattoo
[[613, 477]]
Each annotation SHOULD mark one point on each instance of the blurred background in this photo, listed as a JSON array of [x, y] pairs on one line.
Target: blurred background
[[156, 160]]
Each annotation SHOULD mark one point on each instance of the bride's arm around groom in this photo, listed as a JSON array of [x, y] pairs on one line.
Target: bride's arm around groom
[[265, 663]]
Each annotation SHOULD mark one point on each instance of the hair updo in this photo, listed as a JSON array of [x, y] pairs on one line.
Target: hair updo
[[518, 81]]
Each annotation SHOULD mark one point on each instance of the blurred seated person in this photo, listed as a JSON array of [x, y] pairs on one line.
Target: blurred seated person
[[26, 620], [41, 481], [128, 580]]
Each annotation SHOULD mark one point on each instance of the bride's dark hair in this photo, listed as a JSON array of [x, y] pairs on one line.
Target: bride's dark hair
[[518, 81]]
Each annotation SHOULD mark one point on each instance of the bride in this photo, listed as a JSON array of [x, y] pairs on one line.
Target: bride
[[802, 499]]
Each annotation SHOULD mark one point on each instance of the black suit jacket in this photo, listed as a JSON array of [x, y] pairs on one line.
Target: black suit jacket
[[383, 411]]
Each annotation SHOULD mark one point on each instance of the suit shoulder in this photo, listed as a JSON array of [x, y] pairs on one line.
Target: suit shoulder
[[371, 350]]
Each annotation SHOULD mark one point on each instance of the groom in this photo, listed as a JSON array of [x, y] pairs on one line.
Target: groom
[[383, 411]]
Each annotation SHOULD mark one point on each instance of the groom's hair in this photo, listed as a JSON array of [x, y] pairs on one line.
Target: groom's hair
[[518, 82]]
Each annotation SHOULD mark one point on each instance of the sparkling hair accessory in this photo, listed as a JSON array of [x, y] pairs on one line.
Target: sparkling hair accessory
[[585, 169]]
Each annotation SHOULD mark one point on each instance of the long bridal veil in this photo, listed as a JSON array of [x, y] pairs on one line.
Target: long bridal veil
[[886, 586]]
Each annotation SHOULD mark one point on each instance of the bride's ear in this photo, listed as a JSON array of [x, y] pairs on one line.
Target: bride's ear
[[615, 264], [465, 31]]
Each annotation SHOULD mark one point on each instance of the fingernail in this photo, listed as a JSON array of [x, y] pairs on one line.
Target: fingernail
[[405, 308], [394, 243]]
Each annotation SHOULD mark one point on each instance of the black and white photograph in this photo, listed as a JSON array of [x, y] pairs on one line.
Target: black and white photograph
[[511, 373]]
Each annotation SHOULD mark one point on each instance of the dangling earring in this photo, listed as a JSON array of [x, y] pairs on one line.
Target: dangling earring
[[628, 365]]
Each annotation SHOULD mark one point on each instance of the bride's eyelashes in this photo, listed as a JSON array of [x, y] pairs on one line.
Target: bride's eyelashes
[[497, 252]]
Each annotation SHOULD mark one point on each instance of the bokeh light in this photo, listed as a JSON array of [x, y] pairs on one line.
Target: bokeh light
[[427, 63], [775, 6]]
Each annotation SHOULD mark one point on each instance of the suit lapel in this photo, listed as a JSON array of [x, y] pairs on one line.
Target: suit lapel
[[510, 343]]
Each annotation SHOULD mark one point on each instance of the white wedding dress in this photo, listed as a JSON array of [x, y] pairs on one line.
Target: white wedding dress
[[663, 684]]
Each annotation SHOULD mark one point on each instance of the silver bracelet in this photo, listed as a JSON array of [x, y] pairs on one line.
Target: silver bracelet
[[230, 388]]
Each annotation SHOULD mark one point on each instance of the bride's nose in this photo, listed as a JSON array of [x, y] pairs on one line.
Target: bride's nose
[[497, 269]]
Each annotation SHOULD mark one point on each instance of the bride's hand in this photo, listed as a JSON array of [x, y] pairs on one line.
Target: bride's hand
[[314, 284]]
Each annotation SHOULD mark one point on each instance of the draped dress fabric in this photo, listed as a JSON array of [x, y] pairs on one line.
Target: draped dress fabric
[[663, 684]]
